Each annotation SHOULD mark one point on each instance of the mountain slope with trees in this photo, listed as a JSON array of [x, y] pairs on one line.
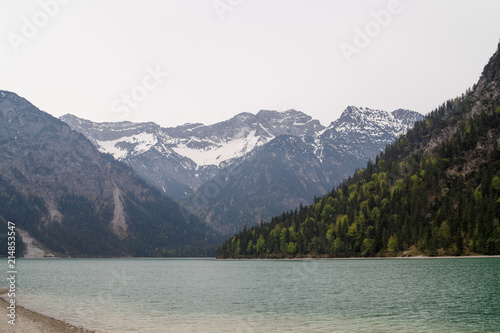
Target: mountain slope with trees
[[435, 191]]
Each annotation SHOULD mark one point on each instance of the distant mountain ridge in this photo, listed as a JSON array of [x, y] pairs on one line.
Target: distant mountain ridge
[[206, 145], [182, 161], [186, 156], [218, 144]]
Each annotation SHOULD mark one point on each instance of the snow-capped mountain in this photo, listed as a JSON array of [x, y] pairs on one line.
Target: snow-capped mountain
[[359, 135], [179, 159], [144, 147], [218, 144], [287, 157]]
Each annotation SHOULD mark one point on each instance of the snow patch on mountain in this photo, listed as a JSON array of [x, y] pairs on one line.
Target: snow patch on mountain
[[127, 145], [220, 152]]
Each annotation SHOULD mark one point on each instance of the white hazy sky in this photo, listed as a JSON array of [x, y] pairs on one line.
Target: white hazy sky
[[224, 57]]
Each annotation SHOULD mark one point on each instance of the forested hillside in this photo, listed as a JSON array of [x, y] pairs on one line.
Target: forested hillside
[[436, 191]]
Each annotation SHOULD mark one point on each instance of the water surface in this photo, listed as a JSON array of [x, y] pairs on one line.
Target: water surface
[[204, 295]]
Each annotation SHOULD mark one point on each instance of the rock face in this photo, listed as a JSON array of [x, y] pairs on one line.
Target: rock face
[[77, 201], [249, 167]]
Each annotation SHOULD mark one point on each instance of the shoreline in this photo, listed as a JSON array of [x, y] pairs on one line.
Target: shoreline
[[371, 258], [293, 258], [28, 321]]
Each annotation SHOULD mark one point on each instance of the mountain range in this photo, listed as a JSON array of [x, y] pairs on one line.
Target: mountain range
[[252, 166], [84, 189]]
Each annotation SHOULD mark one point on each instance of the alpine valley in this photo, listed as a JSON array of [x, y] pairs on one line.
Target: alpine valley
[[252, 166]]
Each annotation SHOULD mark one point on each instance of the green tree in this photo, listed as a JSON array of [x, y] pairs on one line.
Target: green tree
[[392, 244]]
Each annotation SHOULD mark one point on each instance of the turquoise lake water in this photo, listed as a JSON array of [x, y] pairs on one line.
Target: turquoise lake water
[[205, 295]]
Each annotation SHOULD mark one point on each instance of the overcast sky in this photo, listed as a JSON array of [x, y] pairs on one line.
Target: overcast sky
[[180, 61]]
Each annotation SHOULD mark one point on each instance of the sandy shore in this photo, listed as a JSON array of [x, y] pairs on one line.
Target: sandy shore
[[31, 322]]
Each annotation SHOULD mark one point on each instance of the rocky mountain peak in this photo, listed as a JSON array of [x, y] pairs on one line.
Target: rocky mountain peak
[[359, 115], [289, 115], [363, 120]]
